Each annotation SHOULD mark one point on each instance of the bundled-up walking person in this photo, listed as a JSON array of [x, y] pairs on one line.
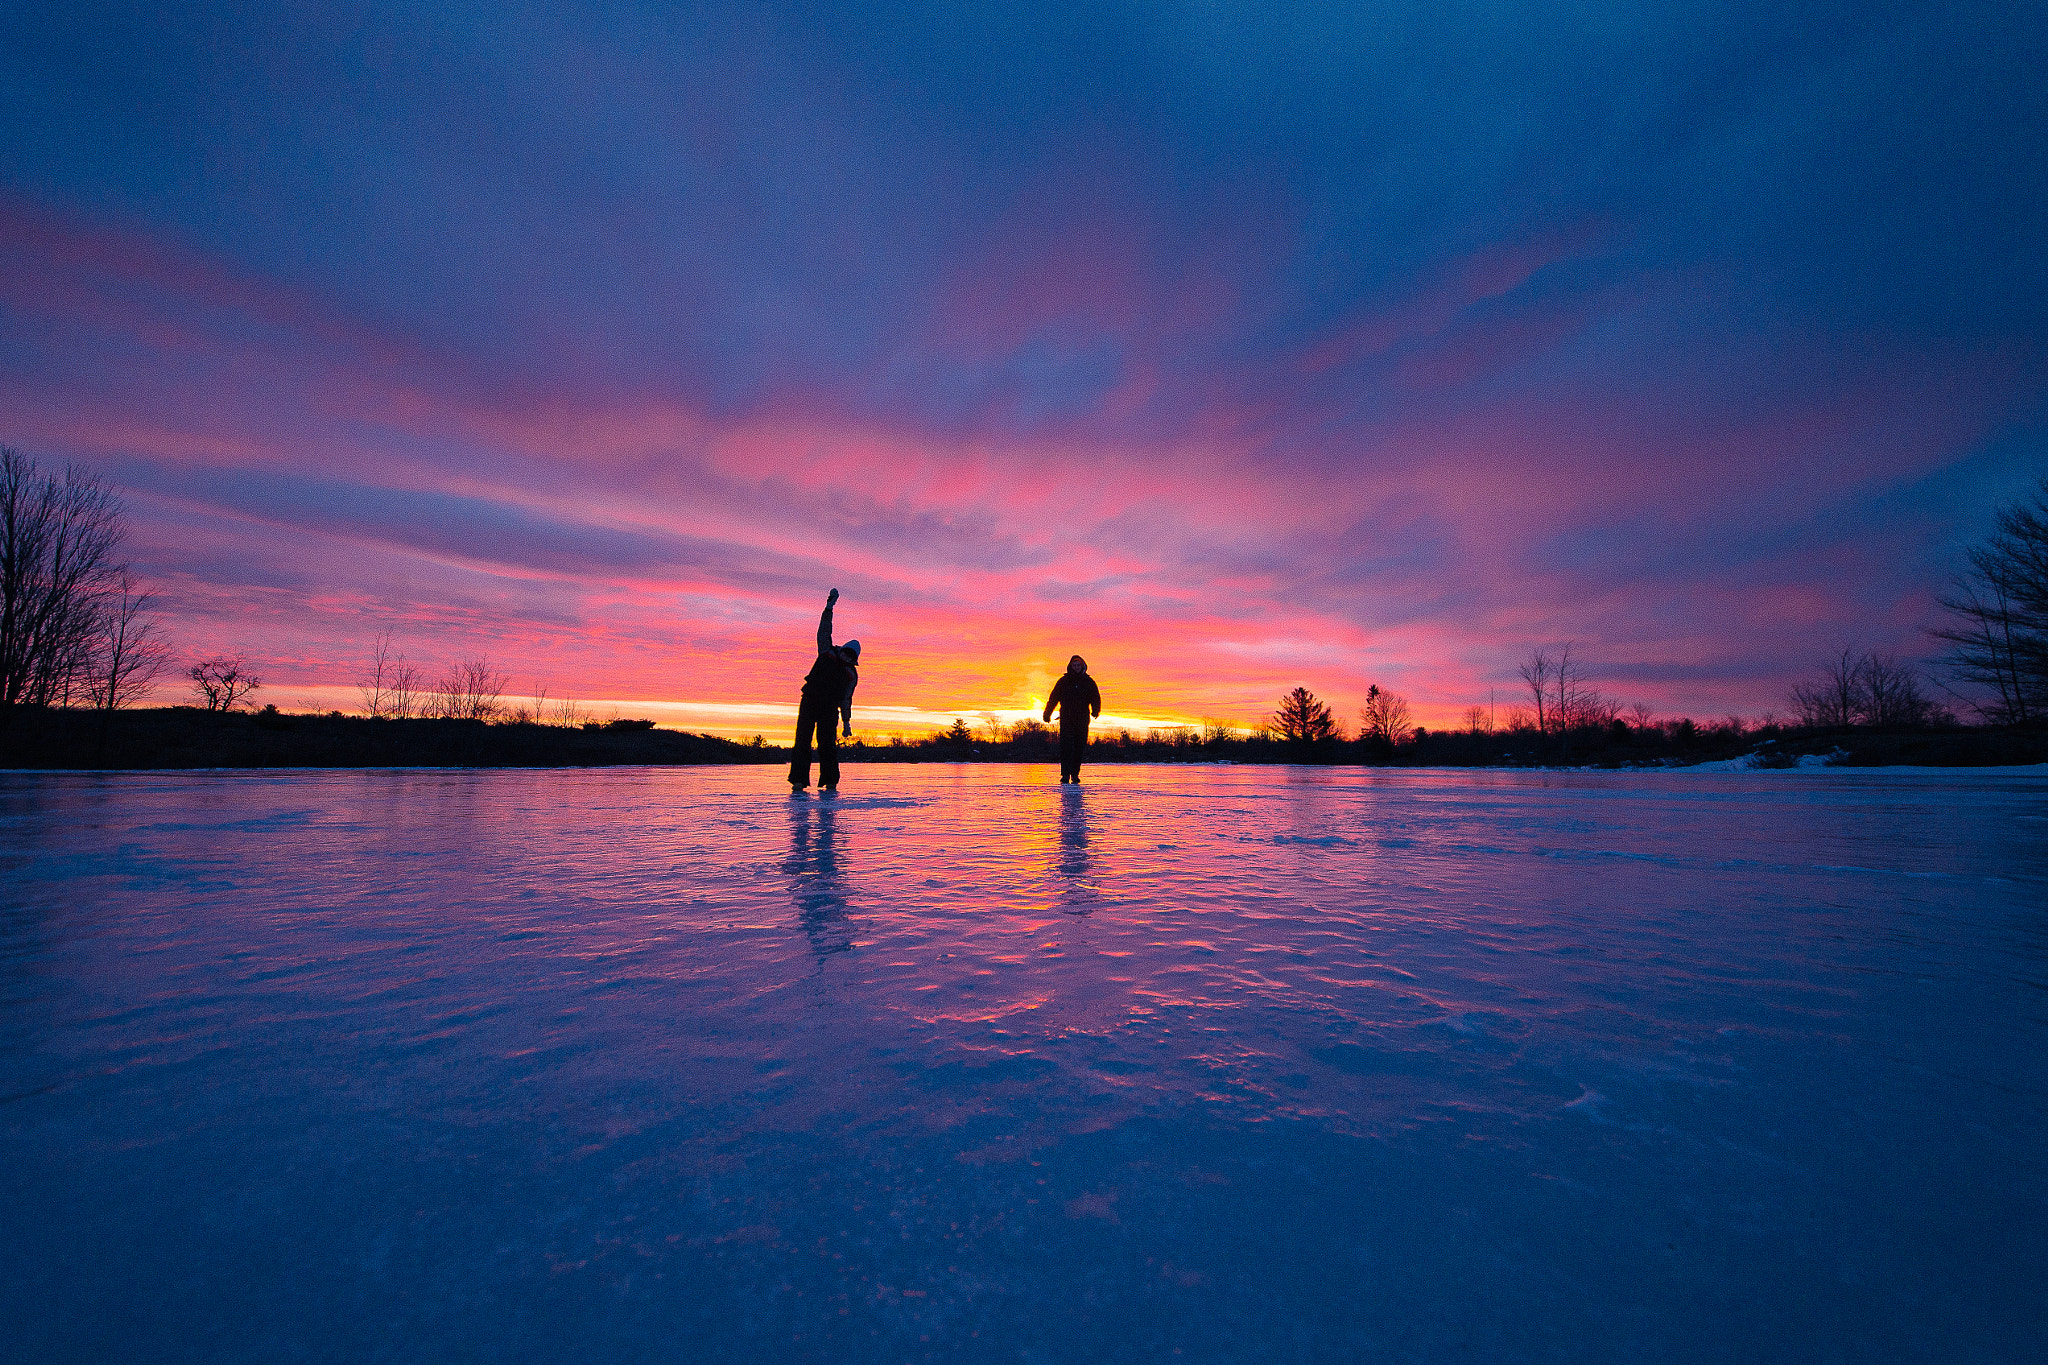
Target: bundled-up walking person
[[827, 698], [1078, 699]]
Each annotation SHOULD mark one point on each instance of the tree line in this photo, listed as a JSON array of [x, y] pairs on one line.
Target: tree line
[[1996, 636], [1866, 689], [77, 630], [75, 626], [1561, 702], [473, 689], [1995, 664]]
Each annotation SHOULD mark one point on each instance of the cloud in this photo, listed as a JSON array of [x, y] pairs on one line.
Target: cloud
[[1244, 349]]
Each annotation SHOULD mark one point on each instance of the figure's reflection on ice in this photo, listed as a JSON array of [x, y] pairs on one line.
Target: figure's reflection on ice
[[815, 881], [1077, 896]]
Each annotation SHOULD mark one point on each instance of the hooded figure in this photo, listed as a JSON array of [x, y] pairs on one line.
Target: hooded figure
[[1078, 699], [827, 696]]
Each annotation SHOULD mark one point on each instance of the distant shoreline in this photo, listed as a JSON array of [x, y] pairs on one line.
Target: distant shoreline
[[184, 738], [2039, 770]]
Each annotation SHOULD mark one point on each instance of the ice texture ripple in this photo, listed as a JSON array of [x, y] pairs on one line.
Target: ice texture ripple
[[962, 1064]]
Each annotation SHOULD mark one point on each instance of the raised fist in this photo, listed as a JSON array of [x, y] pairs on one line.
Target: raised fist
[[832, 597]]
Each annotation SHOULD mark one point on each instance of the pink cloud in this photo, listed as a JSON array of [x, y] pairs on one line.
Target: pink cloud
[[633, 544]]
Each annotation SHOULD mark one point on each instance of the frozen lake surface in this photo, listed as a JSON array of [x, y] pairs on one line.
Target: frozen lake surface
[[1186, 1063]]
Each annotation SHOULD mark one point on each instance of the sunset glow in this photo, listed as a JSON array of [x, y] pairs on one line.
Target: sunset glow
[[603, 350]]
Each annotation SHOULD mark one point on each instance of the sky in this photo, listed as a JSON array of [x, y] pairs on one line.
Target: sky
[[1231, 346]]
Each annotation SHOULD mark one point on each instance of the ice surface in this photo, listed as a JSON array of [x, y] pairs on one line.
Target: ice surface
[[1184, 1063]]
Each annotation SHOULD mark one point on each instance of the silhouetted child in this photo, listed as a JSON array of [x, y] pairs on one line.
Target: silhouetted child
[[1078, 699], [828, 695]]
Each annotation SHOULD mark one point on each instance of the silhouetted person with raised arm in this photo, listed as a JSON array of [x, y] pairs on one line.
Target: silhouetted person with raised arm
[[827, 698], [1078, 699]]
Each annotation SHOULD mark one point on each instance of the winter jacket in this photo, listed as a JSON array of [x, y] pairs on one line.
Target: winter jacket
[[1077, 698]]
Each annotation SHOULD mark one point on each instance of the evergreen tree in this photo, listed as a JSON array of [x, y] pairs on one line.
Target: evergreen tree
[[1301, 717]]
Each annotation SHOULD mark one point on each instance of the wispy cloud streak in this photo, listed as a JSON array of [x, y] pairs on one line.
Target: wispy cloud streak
[[605, 347]]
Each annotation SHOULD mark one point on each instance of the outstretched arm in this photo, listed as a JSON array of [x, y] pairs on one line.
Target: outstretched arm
[[825, 623], [1052, 699]]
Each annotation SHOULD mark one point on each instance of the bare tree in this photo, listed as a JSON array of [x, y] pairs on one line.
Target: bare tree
[[392, 689], [58, 537], [2000, 637], [1864, 689], [405, 692], [376, 687], [1477, 721], [1537, 672], [1303, 718], [1641, 715], [1567, 691], [1574, 704], [223, 681], [69, 679], [1891, 692], [1219, 731], [471, 691], [1988, 646], [1384, 718], [1836, 697], [532, 711], [131, 656]]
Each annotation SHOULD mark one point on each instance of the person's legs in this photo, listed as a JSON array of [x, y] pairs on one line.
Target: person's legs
[[1073, 742], [800, 762], [828, 750]]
